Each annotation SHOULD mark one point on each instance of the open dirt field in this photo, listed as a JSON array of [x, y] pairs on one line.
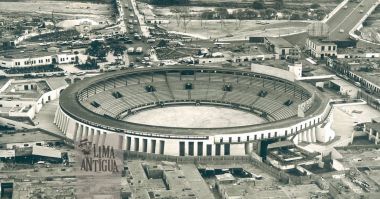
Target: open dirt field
[[215, 29], [195, 117], [67, 9]]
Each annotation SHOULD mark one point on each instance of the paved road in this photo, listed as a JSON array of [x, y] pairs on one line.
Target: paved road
[[346, 19], [45, 118], [128, 12]]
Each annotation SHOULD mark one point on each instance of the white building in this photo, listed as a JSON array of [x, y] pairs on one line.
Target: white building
[[320, 49], [38, 59], [25, 98]]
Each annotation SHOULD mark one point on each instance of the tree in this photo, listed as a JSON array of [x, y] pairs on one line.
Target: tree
[[117, 48], [279, 4], [315, 6], [162, 43], [305, 15], [170, 2], [97, 49], [186, 18], [295, 16], [207, 15], [222, 13], [270, 13], [258, 4]]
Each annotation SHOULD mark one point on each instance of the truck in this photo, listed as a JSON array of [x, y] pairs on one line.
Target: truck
[[139, 50], [130, 50]]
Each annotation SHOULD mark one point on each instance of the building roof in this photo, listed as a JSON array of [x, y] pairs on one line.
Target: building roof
[[57, 82], [360, 157], [318, 41], [7, 153], [280, 42], [376, 119], [25, 137], [46, 152], [23, 53], [3, 81], [225, 177], [280, 144], [341, 83], [374, 126]]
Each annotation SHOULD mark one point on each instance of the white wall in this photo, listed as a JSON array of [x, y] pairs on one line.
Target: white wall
[[37, 61]]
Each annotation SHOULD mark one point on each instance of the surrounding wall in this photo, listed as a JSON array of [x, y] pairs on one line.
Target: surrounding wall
[[218, 145]]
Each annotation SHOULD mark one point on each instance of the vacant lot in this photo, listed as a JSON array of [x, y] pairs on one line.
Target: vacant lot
[[229, 30], [67, 9]]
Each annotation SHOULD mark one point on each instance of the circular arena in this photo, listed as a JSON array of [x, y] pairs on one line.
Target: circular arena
[[189, 111]]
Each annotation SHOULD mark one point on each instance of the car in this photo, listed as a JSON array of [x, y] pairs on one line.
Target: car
[[128, 41], [131, 64], [361, 11], [345, 7], [81, 73], [150, 40], [341, 30]]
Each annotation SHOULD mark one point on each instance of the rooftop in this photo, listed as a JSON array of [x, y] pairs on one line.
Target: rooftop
[[225, 177], [373, 76], [24, 53], [360, 157], [280, 42], [23, 137], [319, 41], [46, 151], [57, 82]]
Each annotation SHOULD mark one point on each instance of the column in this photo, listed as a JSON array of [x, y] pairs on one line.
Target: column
[[92, 134], [312, 134], [56, 116], [97, 137], [304, 136], [80, 133], [103, 140], [86, 133], [309, 136], [75, 131]]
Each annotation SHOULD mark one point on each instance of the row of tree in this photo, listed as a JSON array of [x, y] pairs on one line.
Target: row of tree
[[259, 4], [241, 14], [99, 49], [170, 2]]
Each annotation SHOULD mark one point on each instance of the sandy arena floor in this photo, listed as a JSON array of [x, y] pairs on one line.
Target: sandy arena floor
[[195, 117]]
